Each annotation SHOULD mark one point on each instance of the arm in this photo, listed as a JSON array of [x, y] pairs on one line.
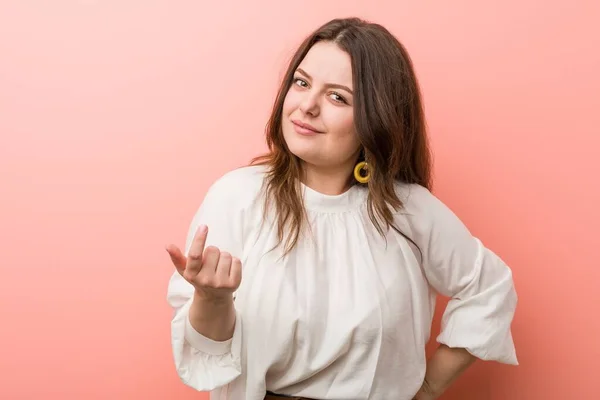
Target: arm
[[206, 331], [214, 319], [444, 367], [477, 321], [214, 274]]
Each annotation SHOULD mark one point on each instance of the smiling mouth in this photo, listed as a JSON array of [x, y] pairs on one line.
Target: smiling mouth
[[305, 129]]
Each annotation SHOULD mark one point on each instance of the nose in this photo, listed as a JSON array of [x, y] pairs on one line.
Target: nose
[[310, 104]]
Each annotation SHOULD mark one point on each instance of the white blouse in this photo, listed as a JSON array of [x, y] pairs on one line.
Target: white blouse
[[346, 314]]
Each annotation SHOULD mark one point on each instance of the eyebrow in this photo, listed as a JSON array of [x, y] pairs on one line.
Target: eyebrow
[[332, 85]]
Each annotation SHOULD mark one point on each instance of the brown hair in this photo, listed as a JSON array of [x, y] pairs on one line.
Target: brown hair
[[388, 118]]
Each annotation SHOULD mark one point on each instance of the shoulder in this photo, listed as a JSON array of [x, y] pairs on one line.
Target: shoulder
[[240, 186], [241, 179], [415, 198], [421, 205]]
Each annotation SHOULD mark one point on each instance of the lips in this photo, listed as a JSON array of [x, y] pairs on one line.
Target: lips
[[305, 129]]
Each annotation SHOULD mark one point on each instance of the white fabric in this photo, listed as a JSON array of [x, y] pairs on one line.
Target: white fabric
[[347, 314]]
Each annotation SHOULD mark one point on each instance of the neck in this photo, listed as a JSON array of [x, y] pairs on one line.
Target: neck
[[330, 181]]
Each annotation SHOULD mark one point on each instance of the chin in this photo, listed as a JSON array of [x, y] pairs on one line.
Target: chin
[[303, 153]]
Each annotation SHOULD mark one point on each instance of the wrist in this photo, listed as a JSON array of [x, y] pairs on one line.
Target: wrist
[[201, 296], [444, 367], [212, 317], [210, 308], [426, 392]]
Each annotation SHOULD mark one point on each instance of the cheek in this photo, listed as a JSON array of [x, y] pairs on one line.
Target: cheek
[[290, 103], [348, 124], [340, 121], [341, 124]]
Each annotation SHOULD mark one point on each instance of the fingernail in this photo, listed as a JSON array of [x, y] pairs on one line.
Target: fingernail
[[203, 229]]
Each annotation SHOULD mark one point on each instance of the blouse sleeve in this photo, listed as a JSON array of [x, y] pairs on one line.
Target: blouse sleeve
[[482, 295], [202, 363]]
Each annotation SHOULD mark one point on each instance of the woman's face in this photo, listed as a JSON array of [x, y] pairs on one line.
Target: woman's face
[[318, 118]]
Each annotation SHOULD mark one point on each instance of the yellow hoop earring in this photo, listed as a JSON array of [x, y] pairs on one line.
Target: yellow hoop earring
[[362, 166]]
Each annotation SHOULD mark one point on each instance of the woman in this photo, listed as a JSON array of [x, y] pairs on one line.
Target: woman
[[313, 272]]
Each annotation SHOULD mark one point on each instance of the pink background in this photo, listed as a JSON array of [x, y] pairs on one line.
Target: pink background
[[115, 116]]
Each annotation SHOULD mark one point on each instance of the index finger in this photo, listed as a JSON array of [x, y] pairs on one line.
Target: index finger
[[197, 247]]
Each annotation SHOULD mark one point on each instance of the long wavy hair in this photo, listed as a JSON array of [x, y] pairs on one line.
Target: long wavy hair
[[388, 118]]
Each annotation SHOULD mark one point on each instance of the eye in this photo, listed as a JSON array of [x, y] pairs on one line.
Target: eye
[[300, 82], [338, 98]]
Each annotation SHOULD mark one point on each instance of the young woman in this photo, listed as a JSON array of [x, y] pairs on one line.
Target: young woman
[[313, 272]]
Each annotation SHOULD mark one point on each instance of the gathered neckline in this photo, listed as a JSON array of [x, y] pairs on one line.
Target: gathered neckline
[[349, 200]]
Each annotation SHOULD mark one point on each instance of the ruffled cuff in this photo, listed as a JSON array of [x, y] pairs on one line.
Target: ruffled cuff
[[202, 363], [481, 326], [204, 344]]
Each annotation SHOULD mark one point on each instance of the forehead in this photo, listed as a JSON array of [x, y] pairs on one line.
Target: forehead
[[325, 62]]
